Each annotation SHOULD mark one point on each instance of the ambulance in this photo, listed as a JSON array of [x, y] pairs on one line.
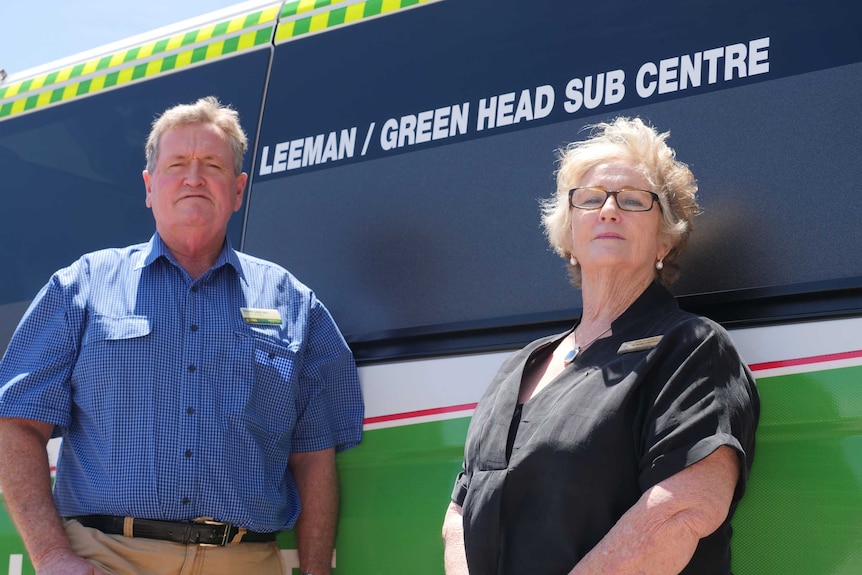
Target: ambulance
[[399, 152]]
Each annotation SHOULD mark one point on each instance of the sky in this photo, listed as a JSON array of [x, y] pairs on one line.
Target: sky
[[33, 33]]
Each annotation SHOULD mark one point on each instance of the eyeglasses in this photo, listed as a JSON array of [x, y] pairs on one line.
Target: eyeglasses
[[629, 200]]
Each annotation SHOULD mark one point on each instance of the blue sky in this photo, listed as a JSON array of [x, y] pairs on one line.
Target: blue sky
[[33, 33]]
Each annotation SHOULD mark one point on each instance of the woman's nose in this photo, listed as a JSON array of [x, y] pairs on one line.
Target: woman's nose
[[609, 210]]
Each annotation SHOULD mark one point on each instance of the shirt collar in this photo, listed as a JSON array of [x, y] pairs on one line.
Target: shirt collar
[[654, 299], [156, 249]]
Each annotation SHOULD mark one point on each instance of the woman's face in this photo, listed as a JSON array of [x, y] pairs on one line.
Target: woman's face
[[611, 239]]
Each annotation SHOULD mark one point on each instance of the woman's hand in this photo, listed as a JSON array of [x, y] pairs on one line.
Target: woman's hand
[[454, 555]]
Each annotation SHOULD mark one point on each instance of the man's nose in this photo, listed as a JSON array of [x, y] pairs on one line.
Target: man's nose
[[193, 174]]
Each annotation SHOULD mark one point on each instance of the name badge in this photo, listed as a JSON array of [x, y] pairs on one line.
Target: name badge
[[258, 316], [640, 344]]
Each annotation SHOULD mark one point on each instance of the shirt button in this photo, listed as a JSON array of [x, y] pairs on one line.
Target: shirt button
[[186, 500], [194, 328], [190, 410], [188, 453], [192, 368], [195, 289]]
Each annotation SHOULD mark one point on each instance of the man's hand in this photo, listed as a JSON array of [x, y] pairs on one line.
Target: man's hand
[[26, 482], [65, 562]]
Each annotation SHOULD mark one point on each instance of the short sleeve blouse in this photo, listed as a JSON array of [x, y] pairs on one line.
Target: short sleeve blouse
[[617, 421]]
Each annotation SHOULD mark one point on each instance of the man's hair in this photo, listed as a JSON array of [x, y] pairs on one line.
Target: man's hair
[[205, 111]]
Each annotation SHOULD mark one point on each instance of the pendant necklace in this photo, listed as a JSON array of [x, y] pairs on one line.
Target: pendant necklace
[[573, 353]]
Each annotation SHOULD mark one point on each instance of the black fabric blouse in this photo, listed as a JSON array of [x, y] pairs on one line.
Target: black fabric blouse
[[613, 424]]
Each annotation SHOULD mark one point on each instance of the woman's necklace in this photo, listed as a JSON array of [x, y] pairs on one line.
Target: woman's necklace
[[573, 353]]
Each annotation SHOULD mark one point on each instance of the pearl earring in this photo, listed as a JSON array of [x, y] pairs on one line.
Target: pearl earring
[[659, 265], [573, 261]]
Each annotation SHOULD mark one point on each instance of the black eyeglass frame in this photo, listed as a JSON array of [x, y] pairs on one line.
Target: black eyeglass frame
[[608, 193]]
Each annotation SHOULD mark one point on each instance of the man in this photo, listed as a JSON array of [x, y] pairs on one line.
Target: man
[[201, 393]]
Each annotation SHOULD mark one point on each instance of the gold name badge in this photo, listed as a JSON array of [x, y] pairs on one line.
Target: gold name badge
[[640, 344], [259, 316]]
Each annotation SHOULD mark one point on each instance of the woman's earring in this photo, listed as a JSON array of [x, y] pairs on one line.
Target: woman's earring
[[659, 265], [573, 261]]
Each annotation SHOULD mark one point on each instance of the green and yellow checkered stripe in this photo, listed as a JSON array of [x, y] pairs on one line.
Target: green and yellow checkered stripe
[[310, 16], [141, 62], [265, 26]]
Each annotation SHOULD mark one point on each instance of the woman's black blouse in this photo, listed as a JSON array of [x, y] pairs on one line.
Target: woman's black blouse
[[612, 425]]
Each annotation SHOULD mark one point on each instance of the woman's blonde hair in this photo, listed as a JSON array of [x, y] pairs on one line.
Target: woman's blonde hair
[[631, 141]]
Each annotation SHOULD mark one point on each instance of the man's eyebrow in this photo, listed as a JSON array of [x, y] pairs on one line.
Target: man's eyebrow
[[183, 156]]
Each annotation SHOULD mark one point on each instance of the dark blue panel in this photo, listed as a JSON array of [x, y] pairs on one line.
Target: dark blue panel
[[447, 233], [71, 175], [453, 53]]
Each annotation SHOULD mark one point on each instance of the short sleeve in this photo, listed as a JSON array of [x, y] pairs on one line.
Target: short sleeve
[[332, 409], [459, 491], [36, 369], [701, 396]]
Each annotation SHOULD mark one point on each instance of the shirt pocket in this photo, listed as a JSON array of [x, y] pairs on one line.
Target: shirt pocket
[[106, 328], [262, 394], [115, 365], [487, 449]]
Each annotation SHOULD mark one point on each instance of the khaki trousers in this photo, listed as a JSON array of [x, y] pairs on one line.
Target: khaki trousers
[[119, 555]]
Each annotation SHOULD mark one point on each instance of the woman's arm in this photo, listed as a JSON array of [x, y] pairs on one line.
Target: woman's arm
[[454, 556], [659, 534]]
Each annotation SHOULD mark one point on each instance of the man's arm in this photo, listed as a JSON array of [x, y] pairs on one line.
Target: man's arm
[[454, 555], [659, 534], [25, 479], [317, 480]]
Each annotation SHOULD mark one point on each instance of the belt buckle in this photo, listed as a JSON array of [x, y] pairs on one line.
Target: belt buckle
[[225, 533]]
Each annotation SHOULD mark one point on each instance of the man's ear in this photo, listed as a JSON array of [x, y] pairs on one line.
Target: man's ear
[[240, 187], [147, 187]]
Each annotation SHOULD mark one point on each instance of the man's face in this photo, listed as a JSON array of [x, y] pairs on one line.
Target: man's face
[[193, 186]]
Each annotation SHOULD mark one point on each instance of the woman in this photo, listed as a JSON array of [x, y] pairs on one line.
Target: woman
[[624, 445]]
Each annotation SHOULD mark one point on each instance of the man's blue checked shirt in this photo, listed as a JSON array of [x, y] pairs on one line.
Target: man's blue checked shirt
[[178, 399]]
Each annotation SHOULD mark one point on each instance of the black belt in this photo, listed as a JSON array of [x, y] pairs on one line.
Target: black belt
[[199, 533]]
